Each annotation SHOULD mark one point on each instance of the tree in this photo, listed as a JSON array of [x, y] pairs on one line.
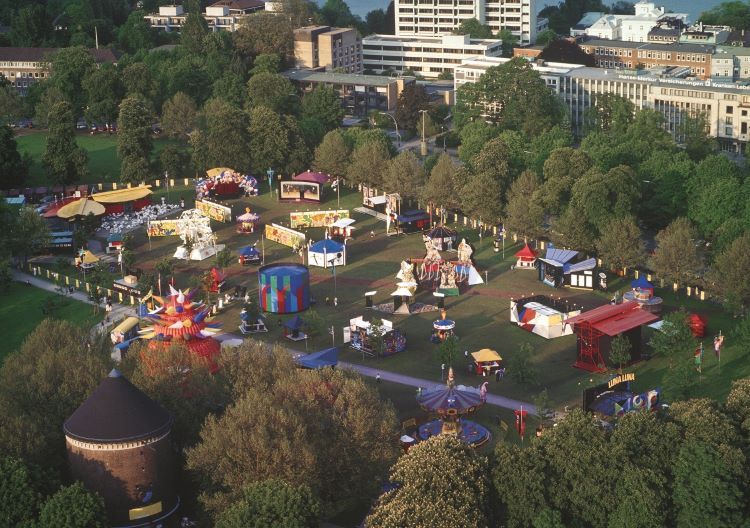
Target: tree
[[546, 37], [265, 33], [273, 91], [404, 175], [377, 332], [621, 244], [368, 164], [174, 161], [474, 136], [674, 338], [442, 482], [10, 103], [139, 80], [563, 50], [20, 492], [63, 158], [664, 198], [729, 275], [676, 256], [193, 32], [224, 258], [30, 234], [736, 14], [164, 267], [509, 41], [520, 99], [619, 353], [481, 196], [323, 105], [225, 141], [442, 187], [609, 113], [328, 430], [524, 214], [694, 132], [73, 507], [337, 13], [31, 27], [561, 170], [520, 368], [272, 503], [104, 91], [178, 116], [629, 511], [448, 351], [332, 155], [276, 141], [519, 477], [603, 197], [266, 63], [411, 100], [136, 34], [41, 385], [69, 67], [715, 194], [573, 229], [230, 87], [134, 139], [13, 168]]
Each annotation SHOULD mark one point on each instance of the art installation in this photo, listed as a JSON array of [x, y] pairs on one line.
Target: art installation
[[198, 240], [180, 319], [643, 293], [223, 182], [452, 403], [304, 219], [543, 316], [284, 288], [214, 211], [442, 238], [615, 398]]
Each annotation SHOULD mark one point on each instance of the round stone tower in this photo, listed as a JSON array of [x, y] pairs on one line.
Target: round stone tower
[[119, 445]]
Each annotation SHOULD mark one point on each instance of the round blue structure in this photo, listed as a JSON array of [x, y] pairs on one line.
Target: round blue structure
[[284, 288]]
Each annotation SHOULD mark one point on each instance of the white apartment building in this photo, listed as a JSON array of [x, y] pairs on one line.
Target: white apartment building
[[551, 72], [726, 107], [633, 28], [730, 63], [225, 15], [442, 17], [427, 56]]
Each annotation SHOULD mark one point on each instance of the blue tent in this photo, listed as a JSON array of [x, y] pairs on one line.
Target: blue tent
[[249, 252], [325, 358], [642, 283], [295, 323], [327, 246]]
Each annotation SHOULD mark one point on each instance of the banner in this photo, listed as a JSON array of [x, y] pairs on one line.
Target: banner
[[284, 235], [159, 228], [316, 218], [214, 211]]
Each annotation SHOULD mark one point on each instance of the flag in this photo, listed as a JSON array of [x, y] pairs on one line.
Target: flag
[[718, 342], [521, 422]]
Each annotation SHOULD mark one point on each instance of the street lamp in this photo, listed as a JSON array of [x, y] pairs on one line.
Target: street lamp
[[423, 144], [395, 123], [270, 173]]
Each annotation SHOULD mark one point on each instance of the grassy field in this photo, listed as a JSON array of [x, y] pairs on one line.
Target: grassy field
[[104, 165], [21, 312], [481, 312]]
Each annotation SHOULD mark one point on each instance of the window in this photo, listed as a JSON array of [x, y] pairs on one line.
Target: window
[[730, 109]]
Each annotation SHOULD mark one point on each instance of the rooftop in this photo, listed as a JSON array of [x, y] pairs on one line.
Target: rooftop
[[340, 78], [239, 4], [677, 46], [43, 54], [614, 319], [445, 39]]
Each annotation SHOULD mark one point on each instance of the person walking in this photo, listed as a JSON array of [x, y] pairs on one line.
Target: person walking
[[108, 309], [377, 377]]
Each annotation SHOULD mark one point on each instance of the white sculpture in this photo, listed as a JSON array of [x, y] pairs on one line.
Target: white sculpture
[[195, 231], [464, 251]]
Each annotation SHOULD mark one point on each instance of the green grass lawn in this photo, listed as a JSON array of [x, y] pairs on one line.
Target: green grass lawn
[[104, 165], [21, 312]]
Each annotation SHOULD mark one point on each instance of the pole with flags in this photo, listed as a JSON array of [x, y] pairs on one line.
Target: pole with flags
[[718, 342], [699, 357], [521, 422]]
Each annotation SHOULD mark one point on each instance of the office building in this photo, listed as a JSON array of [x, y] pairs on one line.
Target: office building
[[633, 28], [328, 48], [426, 56], [225, 15]]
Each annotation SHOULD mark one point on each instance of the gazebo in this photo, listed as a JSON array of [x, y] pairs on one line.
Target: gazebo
[[526, 258]]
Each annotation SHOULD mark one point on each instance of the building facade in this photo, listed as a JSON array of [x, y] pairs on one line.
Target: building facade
[[427, 56], [25, 66], [442, 17], [632, 28], [328, 48], [225, 15], [620, 54]]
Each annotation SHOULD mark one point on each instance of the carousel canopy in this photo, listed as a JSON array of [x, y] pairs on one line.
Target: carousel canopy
[[51, 211], [441, 232], [313, 177], [248, 217], [212, 173], [82, 207], [122, 195], [443, 398], [327, 246], [642, 283], [249, 251], [295, 323], [526, 252], [485, 356], [324, 358]]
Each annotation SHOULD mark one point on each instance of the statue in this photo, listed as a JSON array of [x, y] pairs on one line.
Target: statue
[[407, 272], [483, 391], [464, 251], [433, 255], [447, 276]]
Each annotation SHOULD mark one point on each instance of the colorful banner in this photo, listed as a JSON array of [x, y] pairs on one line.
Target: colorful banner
[[159, 228], [214, 211], [284, 235], [316, 218]]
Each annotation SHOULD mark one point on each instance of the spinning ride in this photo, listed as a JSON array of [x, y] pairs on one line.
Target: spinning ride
[[246, 222], [198, 240], [223, 182], [433, 267], [451, 403]]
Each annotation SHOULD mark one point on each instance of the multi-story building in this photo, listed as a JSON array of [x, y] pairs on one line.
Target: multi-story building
[[25, 66], [328, 48], [225, 15], [359, 93], [634, 28], [442, 17], [619, 54], [427, 56], [725, 106], [730, 63]]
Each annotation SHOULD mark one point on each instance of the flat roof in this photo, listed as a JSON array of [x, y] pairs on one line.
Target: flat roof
[[675, 46], [614, 319], [482, 63], [341, 78], [446, 40]]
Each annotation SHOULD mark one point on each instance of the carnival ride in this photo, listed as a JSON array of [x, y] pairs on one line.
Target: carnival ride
[[247, 221], [223, 182], [360, 336], [249, 255], [179, 319], [198, 240], [452, 403], [443, 328], [451, 274], [643, 293]]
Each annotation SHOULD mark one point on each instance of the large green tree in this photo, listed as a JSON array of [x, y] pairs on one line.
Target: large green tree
[[21, 496], [274, 91], [621, 244], [482, 196], [136, 34], [265, 33], [134, 139], [603, 197], [178, 116], [225, 141], [193, 33], [404, 175], [441, 482], [442, 187], [14, 169], [333, 154], [524, 214], [69, 67], [73, 507], [29, 235], [272, 503], [323, 105], [412, 99], [474, 28], [474, 136], [729, 277], [369, 163], [676, 257], [104, 91], [561, 170], [276, 141], [31, 27], [65, 161]]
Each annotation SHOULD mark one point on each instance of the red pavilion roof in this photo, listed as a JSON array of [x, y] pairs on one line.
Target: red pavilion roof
[[526, 252], [614, 319]]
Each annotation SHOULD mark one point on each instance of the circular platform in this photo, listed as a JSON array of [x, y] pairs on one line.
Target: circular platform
[[471, 432]]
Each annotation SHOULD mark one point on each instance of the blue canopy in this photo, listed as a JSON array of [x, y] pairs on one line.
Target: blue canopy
[[584, 265], [294, 323], [412, 216], [327, 246], [641, 283], [325, 358], [559, 257], [249, 252]]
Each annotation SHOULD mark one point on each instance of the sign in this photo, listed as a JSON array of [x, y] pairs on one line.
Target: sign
[[214, 211], [316, 218], [159, 228], [623, 378], [284, 235]]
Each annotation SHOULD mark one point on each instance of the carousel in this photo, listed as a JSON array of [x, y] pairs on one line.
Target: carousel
[[443, 328], [247, 221], [448, 275], [442, 238], [223, 182], [451, 404]]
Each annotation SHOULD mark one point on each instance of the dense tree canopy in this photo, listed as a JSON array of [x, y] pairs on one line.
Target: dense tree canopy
[[64, 159], [135, 139], [272, 503]]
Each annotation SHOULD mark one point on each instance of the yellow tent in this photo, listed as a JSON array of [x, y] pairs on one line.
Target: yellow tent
[[122, 195], [212, 173], [82, 207], [89, 259], [486, 356]]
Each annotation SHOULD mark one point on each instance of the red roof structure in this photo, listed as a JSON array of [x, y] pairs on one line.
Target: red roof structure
[[607, 321], [313, 177], [526, 253]]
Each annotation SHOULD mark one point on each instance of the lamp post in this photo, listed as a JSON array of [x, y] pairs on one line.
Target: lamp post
[[398, 136], [270, 173], [423, 144]]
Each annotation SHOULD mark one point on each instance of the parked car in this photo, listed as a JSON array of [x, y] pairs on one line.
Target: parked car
[[81, 124]]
